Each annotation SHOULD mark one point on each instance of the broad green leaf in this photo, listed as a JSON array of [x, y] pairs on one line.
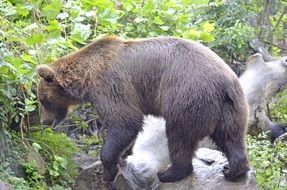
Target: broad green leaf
[[100, 4], [209, 27], [52, 9], [36, 146], [158, 20], [206, 37], [108, 17], [81, 32], [34, 39], [23, 10], [194, 32], [27, 58], [191, 34], [149, 5], [4, 64], [54, 28], [187, 35], [15, 61]]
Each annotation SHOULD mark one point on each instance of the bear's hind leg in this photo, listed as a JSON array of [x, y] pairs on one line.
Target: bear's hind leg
[[181, 151], [229, 137]]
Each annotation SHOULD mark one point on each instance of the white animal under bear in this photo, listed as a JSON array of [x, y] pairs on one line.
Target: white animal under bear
[[150, 155]]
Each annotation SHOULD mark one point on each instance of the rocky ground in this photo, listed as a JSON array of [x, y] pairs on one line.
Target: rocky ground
[[208, 165]]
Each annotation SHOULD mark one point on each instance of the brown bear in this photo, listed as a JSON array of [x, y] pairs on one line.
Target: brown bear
[[180, 80]]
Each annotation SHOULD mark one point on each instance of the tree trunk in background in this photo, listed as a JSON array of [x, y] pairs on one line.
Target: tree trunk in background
[[266, 29], [260, 81]]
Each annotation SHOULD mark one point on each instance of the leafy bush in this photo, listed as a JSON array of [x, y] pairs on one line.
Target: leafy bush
[[233, 31], [34, 178], [58, 149], [278, 105], [269, 162]]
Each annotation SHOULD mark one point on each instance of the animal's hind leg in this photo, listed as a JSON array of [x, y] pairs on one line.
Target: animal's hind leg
[[181, 149], [229, 137]]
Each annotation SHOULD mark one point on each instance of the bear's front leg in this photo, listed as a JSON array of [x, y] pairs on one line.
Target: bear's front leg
[[119, 137]]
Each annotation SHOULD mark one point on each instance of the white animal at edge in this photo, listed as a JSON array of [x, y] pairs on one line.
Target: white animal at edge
[[150, 155]]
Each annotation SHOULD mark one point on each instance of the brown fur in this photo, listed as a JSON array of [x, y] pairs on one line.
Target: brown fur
[[183, 81]]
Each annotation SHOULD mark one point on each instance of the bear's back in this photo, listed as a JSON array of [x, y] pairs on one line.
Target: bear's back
[[172, 62], [171, 55]]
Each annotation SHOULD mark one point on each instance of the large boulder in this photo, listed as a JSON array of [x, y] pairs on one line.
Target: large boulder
[[208, 165]]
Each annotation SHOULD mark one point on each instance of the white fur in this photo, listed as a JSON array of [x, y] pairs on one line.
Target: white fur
[[150, 155], [151, 144]]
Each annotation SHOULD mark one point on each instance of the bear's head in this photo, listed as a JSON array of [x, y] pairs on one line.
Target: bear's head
[[56, 103]]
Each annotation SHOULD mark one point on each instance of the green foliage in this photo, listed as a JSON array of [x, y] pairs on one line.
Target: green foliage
[[235, 40], [33, 176], [278, 22], [92, 141], [59, 150], [56, 150], [278, 107], [269, 162], [233, 31]]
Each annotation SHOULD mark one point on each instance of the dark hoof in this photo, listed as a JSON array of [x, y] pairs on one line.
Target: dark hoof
[[235, 175], [110, 175], [173, 174]]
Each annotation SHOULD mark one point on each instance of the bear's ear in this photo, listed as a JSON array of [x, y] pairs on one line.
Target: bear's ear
[[46, 73]]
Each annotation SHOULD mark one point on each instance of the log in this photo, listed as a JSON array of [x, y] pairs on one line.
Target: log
[[261, 80]]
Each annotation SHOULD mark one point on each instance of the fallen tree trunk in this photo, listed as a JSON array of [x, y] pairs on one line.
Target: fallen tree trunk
[[260, 81]]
